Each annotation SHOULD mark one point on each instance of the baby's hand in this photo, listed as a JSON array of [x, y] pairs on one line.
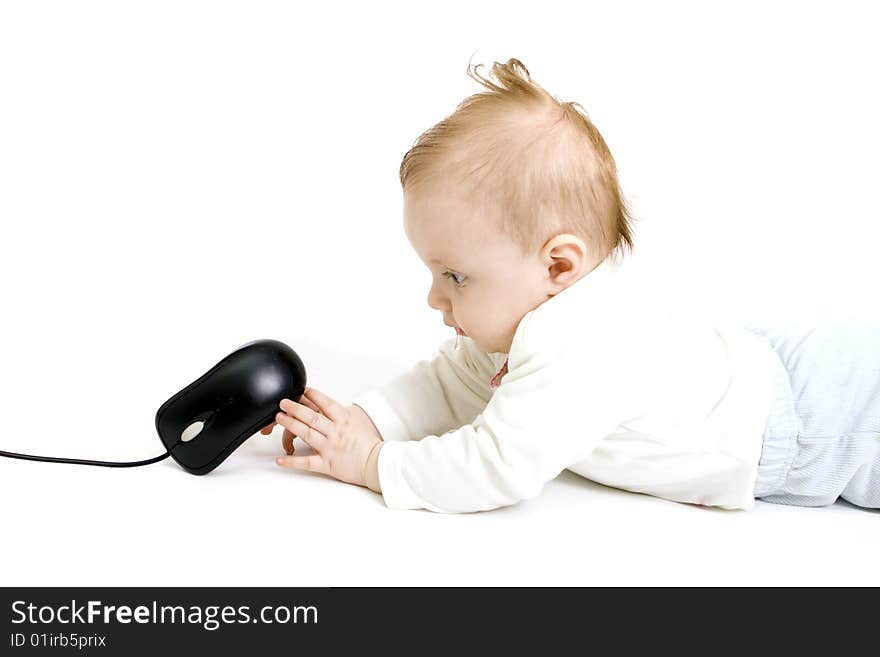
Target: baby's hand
[[343, 441]]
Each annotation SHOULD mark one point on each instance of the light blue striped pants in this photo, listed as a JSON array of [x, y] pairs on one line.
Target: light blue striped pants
[[822, 439]]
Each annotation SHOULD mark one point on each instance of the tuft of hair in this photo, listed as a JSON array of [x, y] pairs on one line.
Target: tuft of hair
[[537, 165]]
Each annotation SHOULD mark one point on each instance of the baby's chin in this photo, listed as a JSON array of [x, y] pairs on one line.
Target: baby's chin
[[494, 347], [491, 346]]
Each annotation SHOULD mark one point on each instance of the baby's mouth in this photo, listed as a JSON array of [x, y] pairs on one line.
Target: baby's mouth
[[460, 332]]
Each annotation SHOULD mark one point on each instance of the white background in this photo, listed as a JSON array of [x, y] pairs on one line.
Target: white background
[[179, 178]]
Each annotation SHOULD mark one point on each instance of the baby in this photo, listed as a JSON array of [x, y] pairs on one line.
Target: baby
[[562, 360]]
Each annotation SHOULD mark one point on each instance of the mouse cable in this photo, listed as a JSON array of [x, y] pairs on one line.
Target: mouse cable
[[107, 464]]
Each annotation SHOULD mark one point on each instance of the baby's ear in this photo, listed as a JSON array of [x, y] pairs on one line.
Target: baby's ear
[[568, 259]]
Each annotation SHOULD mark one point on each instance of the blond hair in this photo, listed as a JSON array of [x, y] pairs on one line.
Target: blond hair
[[539, 165]]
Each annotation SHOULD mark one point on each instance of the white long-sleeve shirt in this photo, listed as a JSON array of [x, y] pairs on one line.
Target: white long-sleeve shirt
[[620, 386]]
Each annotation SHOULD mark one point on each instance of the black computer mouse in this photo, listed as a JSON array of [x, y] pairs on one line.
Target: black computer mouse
[[206, 421]]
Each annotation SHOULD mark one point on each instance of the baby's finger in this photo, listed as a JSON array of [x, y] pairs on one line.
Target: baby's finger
[[314, 438], [312, 463], [329, 406], [305, 401], [306, 415], [287, 442]]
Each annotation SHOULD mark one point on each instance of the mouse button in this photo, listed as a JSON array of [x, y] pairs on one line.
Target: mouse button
[[175, 419], [216, 444], [233, 377], [203, 446], [235, 418], [193, 399]]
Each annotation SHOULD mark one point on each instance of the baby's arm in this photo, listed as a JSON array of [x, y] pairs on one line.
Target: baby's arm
[[433, 396], [538, 422]]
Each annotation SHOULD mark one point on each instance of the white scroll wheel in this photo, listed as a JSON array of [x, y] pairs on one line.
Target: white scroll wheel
[[192, 431]]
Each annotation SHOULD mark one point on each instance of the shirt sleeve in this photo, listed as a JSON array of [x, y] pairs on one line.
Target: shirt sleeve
[[546, 415], [434, 396]]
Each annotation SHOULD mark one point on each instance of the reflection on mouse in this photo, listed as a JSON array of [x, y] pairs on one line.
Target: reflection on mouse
[[207, 420]]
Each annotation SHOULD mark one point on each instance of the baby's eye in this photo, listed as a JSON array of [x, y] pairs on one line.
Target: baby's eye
[[455, 277]]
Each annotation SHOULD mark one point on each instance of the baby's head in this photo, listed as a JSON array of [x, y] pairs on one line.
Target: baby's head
[[508, 201]]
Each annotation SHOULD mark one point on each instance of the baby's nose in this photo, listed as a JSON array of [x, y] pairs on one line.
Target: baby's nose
[[436, 300]]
